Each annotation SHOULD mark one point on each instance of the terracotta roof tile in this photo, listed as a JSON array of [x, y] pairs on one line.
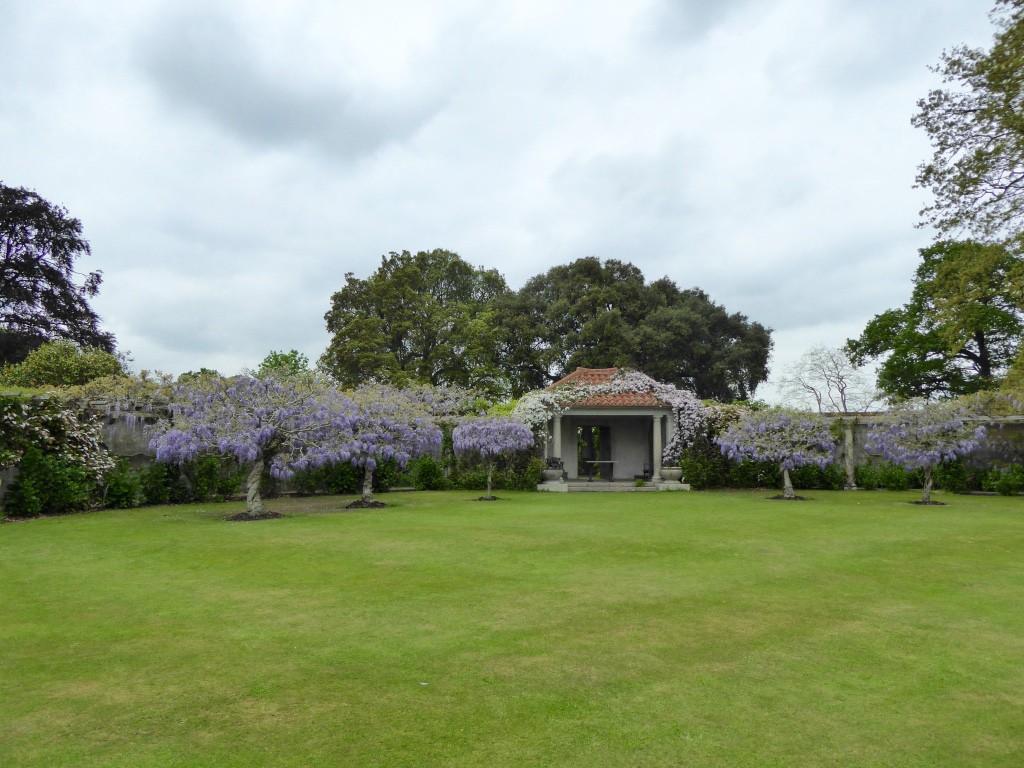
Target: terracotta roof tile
[[587, 376], [626, 399], [607, 400]]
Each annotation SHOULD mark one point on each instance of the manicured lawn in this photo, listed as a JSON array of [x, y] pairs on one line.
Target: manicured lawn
[[718, 629]]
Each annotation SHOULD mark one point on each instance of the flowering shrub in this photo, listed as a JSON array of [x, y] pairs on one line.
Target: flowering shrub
[[490, 438], [920, 435], [789, 438], [66, 459], [689, 414]]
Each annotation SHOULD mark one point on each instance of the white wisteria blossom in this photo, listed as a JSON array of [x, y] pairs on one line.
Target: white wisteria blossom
[[689, 414]]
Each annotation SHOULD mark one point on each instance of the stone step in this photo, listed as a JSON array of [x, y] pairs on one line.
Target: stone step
[[599, 487]]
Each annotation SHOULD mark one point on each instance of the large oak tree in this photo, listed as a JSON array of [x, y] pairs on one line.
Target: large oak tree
[[960, 330], [423, 318], [434, 319], [601, 314]]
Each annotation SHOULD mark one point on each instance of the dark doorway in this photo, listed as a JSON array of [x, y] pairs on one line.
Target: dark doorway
[[594, 451]]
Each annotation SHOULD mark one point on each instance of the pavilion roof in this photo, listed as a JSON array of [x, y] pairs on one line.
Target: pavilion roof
[[607, 399]]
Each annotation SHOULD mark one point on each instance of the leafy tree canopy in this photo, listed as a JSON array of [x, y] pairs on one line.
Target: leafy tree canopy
[[61, 364], [423, 318], [976, 174], [599, 314], [291, 363], [39, 297], [433, 319], [960, 330]]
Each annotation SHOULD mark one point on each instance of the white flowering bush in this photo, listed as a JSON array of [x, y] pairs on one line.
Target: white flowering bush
[[689, 414], [61, 459]]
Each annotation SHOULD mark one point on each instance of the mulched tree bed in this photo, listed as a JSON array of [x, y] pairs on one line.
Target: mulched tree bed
[[780, 497], [244, 517], [363, 504], [488, 498]]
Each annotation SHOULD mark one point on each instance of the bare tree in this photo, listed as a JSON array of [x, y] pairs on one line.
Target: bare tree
[[827, 378]]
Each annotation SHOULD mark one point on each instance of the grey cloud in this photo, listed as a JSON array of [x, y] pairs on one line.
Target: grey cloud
[[873, 44], [687, 20], [201, 63]]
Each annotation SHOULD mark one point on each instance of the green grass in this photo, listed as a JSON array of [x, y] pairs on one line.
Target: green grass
[[718, 629]]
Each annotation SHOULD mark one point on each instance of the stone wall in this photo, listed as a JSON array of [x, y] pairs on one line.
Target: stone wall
[[1005, 443]]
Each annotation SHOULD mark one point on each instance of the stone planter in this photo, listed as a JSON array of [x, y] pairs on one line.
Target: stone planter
[[552, 475], [672, 474]]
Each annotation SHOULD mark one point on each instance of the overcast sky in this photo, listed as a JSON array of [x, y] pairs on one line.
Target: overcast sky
[[231, 161]]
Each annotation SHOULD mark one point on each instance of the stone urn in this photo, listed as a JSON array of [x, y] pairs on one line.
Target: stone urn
[[552, 475], [672, 474]]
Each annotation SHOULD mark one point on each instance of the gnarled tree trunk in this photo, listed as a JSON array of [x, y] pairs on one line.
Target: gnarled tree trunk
[[253, 500], [926, 496], [368, 483], [787, 485]]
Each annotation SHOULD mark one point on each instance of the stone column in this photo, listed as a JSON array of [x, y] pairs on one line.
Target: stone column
[[556, 442], [848, 456], [657, 447]]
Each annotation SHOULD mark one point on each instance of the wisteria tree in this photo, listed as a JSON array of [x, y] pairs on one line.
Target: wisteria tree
[[790, 438], [920, 435], [393, 424], [490, 438], [275, 425]]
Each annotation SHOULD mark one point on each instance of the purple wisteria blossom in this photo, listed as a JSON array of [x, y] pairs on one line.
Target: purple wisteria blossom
[[489, 438], [790, 438], [275, 425], [394, 424], [923, 435]]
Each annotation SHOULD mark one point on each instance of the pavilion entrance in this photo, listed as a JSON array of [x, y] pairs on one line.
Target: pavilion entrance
[[594, 453]]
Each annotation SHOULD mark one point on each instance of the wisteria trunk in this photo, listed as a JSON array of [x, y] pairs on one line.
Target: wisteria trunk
[[787, 485], [490, 475], [926, 496], [368, 484], [253, 500]]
